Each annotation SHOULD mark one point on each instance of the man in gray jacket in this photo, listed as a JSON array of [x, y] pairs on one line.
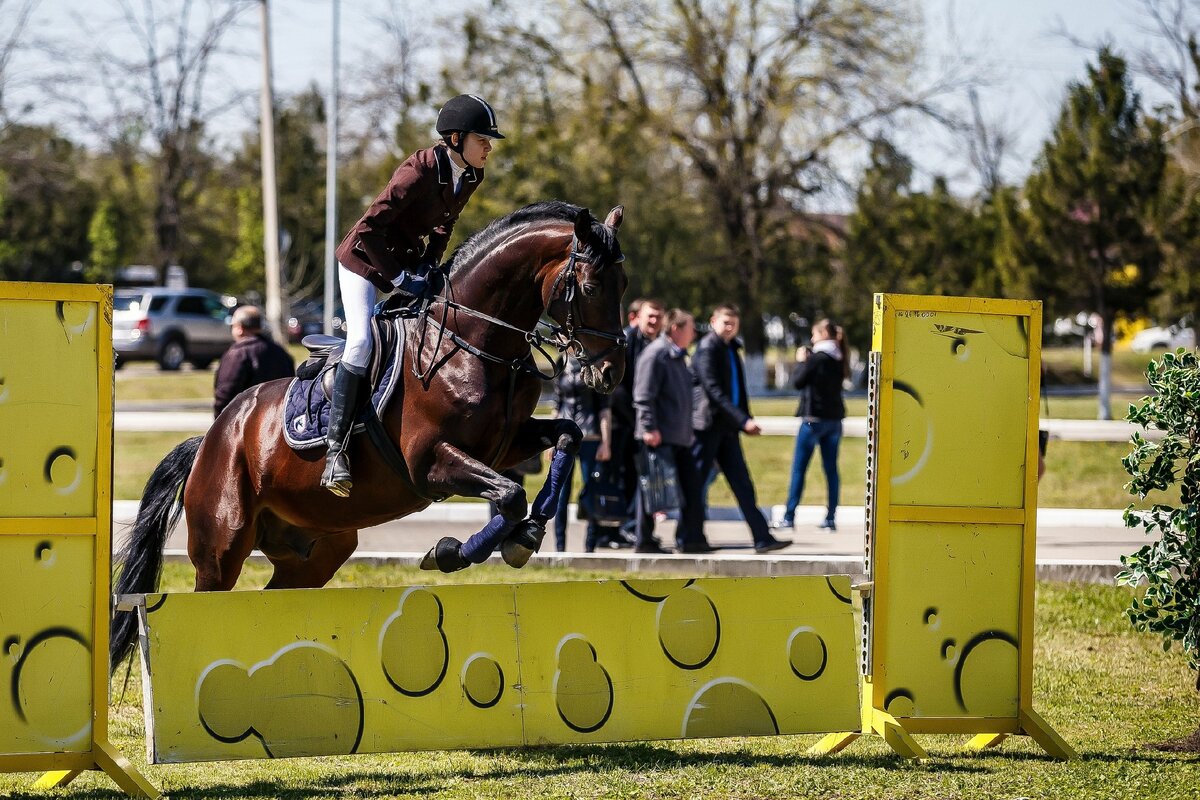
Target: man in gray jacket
[[662, 402]]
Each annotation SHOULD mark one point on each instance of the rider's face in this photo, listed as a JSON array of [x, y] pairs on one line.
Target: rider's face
[[649, 321], [476, 149]]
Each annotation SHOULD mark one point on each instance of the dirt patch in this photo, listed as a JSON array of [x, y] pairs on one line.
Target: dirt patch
[[1185, 744]]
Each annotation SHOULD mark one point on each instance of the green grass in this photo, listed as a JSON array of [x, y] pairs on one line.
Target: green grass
[[1049, 407], [139, 383], [1064, 366], [1107, 690], [1078, 474]]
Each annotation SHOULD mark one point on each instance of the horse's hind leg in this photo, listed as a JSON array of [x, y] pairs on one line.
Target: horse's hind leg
[[221, 527], [307, 559]]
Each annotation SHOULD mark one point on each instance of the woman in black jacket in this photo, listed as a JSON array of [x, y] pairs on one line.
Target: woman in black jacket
[[819, 375]]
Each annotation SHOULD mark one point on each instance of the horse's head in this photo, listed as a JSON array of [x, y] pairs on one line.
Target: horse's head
[[586, 300]]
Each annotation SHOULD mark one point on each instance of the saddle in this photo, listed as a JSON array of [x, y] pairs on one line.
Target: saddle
[[306, 407]]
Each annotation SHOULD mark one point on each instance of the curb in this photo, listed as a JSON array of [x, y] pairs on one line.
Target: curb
[[724, 566]]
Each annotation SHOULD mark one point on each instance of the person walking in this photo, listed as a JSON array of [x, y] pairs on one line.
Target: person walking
[[253, 358], [662, 400], [591, 411], [819, 375], [721, 386], [395, 244], [646, 319]]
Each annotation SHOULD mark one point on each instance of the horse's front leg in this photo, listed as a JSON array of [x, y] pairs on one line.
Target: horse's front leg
[[455, 472], [534, 436]]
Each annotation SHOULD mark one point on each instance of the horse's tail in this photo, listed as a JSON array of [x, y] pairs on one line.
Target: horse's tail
[[141, 558]]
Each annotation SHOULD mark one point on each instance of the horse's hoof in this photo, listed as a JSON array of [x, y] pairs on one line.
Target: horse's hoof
[[522, 543], [446, 556]]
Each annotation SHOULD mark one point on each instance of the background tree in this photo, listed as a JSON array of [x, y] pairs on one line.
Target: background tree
[[300, 179], [750, 98], [1087, 230], [157, 69], [14, 19], [914, 242], [45, 205]]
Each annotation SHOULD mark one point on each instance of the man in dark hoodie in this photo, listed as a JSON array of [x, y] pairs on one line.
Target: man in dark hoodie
[[253, 359]]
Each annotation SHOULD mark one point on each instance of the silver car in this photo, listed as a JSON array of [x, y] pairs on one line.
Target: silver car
[[170, 326]]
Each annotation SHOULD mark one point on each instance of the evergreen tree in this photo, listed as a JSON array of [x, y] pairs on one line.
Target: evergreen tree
[[1087, 232], [901, 240]]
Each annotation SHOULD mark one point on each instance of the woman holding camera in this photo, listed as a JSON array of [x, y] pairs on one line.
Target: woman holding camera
[[819, 374]]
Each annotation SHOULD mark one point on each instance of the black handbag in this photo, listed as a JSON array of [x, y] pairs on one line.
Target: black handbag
[[603, 498], [658, 480]]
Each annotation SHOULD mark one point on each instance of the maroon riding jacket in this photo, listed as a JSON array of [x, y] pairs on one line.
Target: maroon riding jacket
[[418, 202]]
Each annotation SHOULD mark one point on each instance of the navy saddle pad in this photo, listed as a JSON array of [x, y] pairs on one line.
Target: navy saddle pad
[[306, 408]]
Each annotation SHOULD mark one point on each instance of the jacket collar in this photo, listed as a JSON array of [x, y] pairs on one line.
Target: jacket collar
[[735, 343], [442, 153]]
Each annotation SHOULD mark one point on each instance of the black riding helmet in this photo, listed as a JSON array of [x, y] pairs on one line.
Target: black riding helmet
[[467, 113]]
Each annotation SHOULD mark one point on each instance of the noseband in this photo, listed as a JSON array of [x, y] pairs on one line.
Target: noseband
[[563, 337]]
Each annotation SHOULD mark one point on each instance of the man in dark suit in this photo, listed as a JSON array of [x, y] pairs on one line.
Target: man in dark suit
[[721, 383], [645, 324]]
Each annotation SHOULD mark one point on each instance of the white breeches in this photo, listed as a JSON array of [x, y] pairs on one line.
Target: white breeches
[[358, 301]]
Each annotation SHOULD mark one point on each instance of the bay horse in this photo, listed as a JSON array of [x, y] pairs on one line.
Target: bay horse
[[461, 413]]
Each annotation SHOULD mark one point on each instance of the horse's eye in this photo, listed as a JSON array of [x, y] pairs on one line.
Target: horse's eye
[[589, 289]]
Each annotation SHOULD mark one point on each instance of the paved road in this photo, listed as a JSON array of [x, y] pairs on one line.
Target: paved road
[[1075, 536], [184, 420]]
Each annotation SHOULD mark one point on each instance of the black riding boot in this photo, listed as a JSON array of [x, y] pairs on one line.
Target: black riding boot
[[343, 408]]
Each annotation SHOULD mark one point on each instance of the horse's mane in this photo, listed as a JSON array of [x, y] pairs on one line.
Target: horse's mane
[[601, 243]]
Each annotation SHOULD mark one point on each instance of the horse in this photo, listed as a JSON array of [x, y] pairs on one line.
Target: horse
[[461, 413]]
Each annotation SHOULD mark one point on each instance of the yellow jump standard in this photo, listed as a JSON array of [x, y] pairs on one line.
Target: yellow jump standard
[[952, 456], [56, 396]]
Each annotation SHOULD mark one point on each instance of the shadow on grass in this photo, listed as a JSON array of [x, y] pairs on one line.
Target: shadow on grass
[[644, 756], [559, 760]]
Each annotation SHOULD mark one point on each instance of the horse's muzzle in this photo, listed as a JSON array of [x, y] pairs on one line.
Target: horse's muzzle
[[602, 377]]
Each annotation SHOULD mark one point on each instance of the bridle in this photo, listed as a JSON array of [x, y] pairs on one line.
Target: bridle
[[564, 338]]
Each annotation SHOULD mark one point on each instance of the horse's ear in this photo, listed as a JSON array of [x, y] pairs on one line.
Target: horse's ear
[[583, 224], [613, 220]]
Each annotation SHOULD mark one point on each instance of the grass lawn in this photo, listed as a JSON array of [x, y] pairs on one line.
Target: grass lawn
[[1052, 407], [1104, 688], [1078, 474]]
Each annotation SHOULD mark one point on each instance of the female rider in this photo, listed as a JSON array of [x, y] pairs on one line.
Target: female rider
[[402, 235]]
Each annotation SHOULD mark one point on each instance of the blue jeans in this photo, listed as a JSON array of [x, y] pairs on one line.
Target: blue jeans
[[828, 434], [587, 463]]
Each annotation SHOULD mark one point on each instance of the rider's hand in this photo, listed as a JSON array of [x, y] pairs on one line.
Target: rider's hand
[[652, 438], [751, 427], [603, 452]]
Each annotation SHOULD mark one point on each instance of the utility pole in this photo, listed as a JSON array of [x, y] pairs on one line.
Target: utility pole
[[274, 309], [331, 126]]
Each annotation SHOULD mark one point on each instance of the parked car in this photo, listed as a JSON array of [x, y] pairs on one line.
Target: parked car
[[308, 316], [170, 326], [1159, 338]]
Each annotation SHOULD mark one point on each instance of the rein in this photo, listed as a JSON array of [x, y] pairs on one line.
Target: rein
[[564, 337]]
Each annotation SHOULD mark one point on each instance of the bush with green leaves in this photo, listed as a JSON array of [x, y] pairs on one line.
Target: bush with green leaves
[[1169, 567]]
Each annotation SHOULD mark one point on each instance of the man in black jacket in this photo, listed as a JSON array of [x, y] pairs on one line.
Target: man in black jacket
[[721, 383], [253, 359], [646, 319]]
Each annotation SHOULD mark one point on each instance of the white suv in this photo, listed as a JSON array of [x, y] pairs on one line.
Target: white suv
[[170, 326]]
